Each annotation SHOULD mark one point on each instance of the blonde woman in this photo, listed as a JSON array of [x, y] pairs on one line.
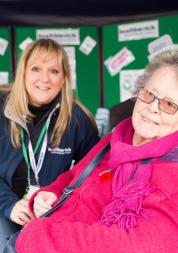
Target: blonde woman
[[43, 130]]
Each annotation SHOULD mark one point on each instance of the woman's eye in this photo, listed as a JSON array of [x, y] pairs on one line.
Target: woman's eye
[[55, 71], [35, 69], [170, 104], [150, 94]]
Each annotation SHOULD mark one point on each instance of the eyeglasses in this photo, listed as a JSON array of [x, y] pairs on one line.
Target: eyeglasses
[[163, 104]]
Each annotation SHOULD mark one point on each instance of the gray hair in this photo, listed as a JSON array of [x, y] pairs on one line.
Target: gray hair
[[168, 58]]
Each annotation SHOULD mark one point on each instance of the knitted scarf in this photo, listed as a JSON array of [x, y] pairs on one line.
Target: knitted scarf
[[131, 176]]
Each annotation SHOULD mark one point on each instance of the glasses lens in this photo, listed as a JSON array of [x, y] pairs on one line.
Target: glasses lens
[[167, 106], [146, 96]]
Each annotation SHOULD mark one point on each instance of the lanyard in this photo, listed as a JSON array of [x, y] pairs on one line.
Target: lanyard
[[30, 160], [24, 149]]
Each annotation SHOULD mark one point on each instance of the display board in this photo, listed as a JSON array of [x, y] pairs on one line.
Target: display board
[[5, 56], [127, 49], [81, 44]]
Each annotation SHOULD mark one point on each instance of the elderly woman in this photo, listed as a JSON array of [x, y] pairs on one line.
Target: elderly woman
[[135, 208], [43, 130]]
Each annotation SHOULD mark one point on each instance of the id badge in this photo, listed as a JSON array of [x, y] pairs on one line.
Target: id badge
[[32, 189]]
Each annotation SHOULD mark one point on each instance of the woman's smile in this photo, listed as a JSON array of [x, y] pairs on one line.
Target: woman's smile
[[148, 120]]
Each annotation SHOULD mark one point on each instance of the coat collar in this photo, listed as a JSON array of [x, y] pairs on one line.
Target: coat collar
[[10, 113]]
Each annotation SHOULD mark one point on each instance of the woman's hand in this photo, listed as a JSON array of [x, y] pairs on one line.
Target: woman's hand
[[43, 202], [20, 213]]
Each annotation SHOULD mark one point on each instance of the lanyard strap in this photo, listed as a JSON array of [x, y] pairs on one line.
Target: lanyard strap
[[30, 160], [24, 150]]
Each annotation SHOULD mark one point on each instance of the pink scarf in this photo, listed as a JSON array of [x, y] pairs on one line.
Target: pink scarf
[[131, 180]]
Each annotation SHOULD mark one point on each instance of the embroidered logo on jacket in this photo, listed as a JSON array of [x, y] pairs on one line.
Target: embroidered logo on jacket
[[60, 151]]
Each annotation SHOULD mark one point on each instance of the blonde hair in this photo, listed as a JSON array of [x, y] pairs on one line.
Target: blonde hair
[[168, 58], [18, 97]]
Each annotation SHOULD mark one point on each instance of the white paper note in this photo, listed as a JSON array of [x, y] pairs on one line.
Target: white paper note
[[87, 45], [3, 46]]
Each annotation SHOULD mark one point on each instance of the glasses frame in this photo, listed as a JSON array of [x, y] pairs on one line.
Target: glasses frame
[[159, 99]]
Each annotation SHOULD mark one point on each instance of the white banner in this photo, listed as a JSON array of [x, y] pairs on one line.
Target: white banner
[[138, 30], [63, 36]]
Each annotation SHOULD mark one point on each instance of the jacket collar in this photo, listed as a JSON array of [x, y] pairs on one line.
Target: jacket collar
[[11, 115]]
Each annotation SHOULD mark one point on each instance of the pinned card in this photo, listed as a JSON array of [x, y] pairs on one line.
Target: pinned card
[[161, 44], [72, 61], [25, 43], [127, 83], [120, 60], [4, 77], [3, 46], [87, 45]]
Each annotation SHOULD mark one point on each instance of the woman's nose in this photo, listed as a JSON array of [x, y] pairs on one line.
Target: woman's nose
[[45, 76], [154, 106]]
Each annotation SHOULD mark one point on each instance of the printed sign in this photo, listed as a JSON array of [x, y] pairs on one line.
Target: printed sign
[[118, 61], [127, 83], [3, 46], [25, 43], [63, 36], [138, 30], [87, 45]]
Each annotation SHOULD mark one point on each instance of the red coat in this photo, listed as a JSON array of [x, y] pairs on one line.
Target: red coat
[[76, 226]]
